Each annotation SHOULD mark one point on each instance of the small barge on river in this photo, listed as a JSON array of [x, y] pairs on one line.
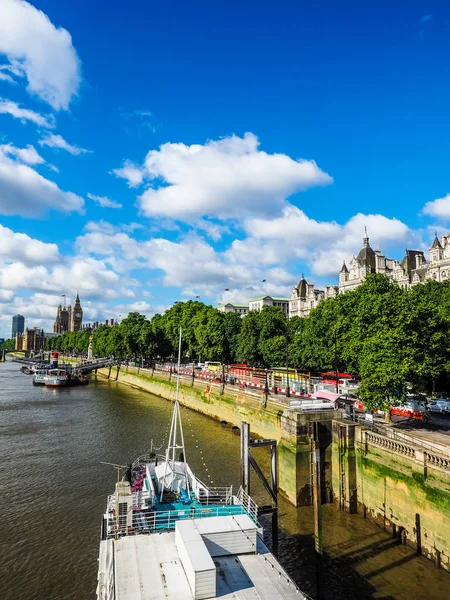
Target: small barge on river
[[165, 534]]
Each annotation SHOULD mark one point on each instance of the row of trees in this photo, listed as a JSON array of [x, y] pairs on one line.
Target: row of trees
[[380, 332], [8, 345]]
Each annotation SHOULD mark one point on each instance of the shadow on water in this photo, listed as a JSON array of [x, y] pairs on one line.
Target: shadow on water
[[341, 581]]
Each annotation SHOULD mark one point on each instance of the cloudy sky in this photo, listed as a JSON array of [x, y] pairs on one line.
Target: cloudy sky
[[158, 151]]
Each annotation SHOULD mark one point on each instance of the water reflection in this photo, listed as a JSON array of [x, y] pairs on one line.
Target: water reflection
[[53, 491]]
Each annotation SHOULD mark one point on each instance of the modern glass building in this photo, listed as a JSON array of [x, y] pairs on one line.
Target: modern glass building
[[18, 325]]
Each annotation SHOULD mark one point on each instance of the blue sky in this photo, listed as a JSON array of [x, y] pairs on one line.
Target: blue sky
[[151, 152]]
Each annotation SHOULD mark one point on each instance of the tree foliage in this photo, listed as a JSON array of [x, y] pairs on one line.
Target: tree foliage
[[380, 332], [8, 344]]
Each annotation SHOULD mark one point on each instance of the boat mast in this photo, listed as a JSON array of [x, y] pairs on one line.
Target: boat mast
[[175, 424]]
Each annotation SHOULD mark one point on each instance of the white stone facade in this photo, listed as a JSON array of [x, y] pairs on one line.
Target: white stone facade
[[411, 270], [259, 303], [237, 308]]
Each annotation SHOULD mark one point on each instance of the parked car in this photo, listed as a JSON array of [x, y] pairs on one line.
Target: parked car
[[442, 406]]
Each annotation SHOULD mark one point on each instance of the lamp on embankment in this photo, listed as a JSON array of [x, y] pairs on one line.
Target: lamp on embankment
[[288, 389]]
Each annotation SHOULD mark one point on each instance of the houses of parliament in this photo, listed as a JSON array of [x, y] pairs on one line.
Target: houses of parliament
[[69, 318]]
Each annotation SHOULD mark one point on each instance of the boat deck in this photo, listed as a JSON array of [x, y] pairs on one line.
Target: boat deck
[[149, 567]]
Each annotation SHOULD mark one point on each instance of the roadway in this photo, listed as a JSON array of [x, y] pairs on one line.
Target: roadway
[[437, 431]]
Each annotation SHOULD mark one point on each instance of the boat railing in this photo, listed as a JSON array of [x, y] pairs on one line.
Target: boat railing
[[149, 521], [251, 508], [216, 495], [145, 458]]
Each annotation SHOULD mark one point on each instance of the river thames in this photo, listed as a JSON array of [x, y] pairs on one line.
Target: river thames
[[53, 491]]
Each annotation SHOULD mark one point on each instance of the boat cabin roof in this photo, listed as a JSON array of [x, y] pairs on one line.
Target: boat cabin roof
[[151, 566]]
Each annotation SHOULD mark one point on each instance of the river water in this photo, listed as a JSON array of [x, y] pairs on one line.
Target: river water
[[53, 491]]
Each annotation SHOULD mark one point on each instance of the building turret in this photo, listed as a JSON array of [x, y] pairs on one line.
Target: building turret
[[436, 250], [366, 256], [343, 273]]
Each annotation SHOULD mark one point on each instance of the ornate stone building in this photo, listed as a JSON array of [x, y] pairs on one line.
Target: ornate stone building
[[411, 270], [305, 296], [68, 319], [33, 339]]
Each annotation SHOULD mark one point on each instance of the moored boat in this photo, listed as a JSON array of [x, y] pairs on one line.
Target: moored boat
[[39, 376], [56, 378], [166, 534]]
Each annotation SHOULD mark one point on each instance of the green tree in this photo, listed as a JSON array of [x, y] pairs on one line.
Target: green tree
[[248, 348], [130, 339], [232, 325], [426, 326], [163, 347], [8, 344], [210, 334], [273, 336]]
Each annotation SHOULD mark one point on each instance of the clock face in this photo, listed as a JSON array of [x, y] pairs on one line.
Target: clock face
[[77, 315]]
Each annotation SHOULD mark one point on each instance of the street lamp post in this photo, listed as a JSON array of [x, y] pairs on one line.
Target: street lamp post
[[288, 389], [336, 370]]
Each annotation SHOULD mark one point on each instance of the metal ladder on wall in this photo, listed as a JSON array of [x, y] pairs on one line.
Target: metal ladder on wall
[[341, 470]]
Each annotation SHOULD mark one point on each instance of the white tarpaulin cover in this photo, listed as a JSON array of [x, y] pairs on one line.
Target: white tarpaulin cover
[[172, 480]]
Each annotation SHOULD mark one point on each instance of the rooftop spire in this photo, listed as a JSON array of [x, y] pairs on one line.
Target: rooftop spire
[[366, 237], [436, 242], [344, 268]]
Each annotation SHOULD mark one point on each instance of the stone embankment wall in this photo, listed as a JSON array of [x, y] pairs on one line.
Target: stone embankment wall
[[269, 417], [403, 487], [400, 485]]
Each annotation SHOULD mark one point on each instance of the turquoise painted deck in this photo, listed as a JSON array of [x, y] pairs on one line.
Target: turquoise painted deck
[[164, 515], [168, 513]]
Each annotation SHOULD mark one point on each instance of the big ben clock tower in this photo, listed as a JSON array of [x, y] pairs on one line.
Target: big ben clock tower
[[77, 315]]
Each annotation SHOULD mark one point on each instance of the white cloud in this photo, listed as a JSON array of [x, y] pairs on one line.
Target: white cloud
[[438, 208], [91, 277], [57, 141], [4, 75], [28, 155], [104, 201], [131, 172], [44, 53], [191, 264], [6, 296], [322, 244], [227, 178], [22, 248], [25, 192], [213, 230], [8, 107]]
